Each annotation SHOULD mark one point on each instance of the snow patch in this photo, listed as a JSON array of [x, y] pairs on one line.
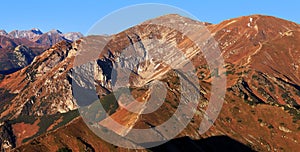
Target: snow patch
[[233, 21], [284, 129], [156, 66], [251, 19]]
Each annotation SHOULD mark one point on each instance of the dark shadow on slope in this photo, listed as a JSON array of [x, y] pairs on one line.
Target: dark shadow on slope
[[212, 144], [10, 71], [84, 97]]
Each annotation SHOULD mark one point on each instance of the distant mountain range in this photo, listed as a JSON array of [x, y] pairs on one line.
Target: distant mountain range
[[35, 33], [18, 48], [261, 112]]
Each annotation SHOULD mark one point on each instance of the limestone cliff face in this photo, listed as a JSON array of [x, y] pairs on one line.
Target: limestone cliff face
[[22, 56]]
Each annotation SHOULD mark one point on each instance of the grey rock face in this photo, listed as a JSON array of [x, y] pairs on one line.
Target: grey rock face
[[27, 34], [73, 36]]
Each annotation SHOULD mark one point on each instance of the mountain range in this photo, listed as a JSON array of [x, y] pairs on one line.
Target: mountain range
[[38, 108], [18, 48]]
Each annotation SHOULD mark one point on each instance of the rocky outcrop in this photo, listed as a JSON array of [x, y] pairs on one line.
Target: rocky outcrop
[[30, 34], [73, 36], [7, 138], [22, 56], [43, 87]]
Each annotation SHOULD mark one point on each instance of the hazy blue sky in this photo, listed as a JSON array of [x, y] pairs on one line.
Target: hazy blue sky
[[80, 15]]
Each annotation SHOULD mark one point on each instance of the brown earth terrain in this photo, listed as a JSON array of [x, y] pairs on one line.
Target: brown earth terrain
[[260, 111]]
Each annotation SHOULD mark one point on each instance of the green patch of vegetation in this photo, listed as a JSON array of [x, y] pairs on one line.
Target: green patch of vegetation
[[251, 99], [285, 95], [228, 119], [271, 100], [201, 75], [254, 77], [292, 111], [109, 103], [251, 103], [271, 89], [240, 73], [271, 126], [215, 73], [67, 117], [281, 86], [5, 98], [94, 113], [246, 72], [205, 66], [262, 92], [260, 120], [282, 124], [288, 99], [47, 120], [25, 119], [65, 149], [297, 92], [228, 72]]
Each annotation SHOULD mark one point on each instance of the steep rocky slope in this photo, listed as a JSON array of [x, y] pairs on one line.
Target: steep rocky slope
[[263, 50], [36, 92]]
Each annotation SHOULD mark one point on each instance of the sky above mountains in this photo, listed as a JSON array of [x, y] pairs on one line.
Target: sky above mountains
[[80, 16]]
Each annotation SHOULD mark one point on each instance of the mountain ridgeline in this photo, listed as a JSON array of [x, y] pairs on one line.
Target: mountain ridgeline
[[18, 48], [260, 112]]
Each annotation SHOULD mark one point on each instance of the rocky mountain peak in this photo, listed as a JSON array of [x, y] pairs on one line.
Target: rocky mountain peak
[[3, 32], [36, 31], [27, 34], [174, 18], [55, 31], [73, 36]]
